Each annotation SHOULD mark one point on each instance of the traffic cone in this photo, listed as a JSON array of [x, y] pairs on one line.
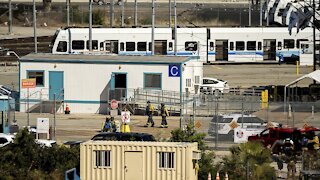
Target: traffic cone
[[209, 176], [217, 176]]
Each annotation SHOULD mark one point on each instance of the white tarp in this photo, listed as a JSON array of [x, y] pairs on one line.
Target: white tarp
[[315, 75]]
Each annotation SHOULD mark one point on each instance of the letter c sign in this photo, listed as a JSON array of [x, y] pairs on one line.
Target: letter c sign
[[174, 70]]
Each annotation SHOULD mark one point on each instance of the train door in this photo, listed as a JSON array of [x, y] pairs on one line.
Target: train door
[[269, 49], [221, 50], [160, 47], [111, 46]]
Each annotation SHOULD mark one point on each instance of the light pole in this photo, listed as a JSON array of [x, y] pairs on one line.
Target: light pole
[[90, 25], [68, 13], [152, 33]]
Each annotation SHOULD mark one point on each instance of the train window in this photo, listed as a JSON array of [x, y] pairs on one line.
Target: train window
[[231, 46], [150, 46], [142, 46], [259, 45], [279, 45], [101, 46], [191, 46], [239, 45], [77, 44], [38, 75], [122, 46], [211, 46], [251, 45], [298, 42], [170, 46], [130, 46], [94, 44], [62, 46], [288, 43]]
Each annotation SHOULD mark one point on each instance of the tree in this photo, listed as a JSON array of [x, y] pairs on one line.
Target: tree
[[190, 135], [24, 159], [249, 161]]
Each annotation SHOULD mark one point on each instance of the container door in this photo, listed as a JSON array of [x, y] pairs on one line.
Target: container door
[[221, 50], [56, 85], [133, 166], [269, 49]]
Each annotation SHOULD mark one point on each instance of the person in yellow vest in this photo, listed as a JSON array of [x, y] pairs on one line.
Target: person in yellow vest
[[149, 113], [164, 113], [314, 142]]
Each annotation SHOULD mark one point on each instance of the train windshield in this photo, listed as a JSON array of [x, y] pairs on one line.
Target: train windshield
[[54, 38]]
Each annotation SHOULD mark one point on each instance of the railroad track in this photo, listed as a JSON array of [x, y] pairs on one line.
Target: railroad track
[[22, 47]]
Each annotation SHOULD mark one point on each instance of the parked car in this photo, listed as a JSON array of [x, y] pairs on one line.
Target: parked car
[[210, 85], [5, 139], [46, 142], [248, 121], [117, 136]]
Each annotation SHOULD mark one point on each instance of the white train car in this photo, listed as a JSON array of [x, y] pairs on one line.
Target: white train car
[[255, 44], [235, 44]]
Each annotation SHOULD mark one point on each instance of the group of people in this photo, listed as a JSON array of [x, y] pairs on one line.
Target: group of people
[[109, 125], [150, 111]]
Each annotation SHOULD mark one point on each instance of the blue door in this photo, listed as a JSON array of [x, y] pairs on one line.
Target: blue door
[[56, 85]]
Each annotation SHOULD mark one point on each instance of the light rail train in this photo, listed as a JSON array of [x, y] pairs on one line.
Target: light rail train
[[235, 44]]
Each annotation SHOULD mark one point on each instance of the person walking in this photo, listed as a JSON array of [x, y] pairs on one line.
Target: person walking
[[149, 113], [164, 113]]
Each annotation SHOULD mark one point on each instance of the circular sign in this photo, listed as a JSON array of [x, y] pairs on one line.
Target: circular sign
[[114, 104], [239, 134], [125, 116]]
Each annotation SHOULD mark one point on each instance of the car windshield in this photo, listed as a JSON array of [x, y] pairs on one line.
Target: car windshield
[[225, 120], [251, 120]]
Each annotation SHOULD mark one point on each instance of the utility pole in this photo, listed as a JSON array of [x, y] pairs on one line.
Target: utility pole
[[10, 17], [152, 33], [249, 13], [314, 37], [170, 14], [175, 27], [111, 12], [68, 13], [260, 12], [122, 13], [267, 12], [135, 12], [90, 25], [35, 27]]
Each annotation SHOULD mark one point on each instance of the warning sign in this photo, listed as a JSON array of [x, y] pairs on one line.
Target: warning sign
[[233, 124], [125, 116], [198, 124], [28, 83], [306, 125]]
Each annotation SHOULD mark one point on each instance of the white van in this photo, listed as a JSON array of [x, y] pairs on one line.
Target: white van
[[225, 122]]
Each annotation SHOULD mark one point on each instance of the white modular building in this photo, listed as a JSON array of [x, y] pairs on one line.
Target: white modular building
[[87, 83], [132, 160]]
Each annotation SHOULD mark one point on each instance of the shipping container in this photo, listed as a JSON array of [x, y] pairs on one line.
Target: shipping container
[[132, 160]]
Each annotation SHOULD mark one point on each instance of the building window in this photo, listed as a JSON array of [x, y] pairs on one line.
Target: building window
[[94, 44], [101, 46], [231, 46], [251, 45], [152, 81], [259, 45], [191, 46], [279, 45], [122, 46], [130, 46], [62, 46], [150, 46], [239, 45], [78, 44], [188, 82], [288, 43], [166, 160], [38, 75], [142, 46], [103, 158]]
